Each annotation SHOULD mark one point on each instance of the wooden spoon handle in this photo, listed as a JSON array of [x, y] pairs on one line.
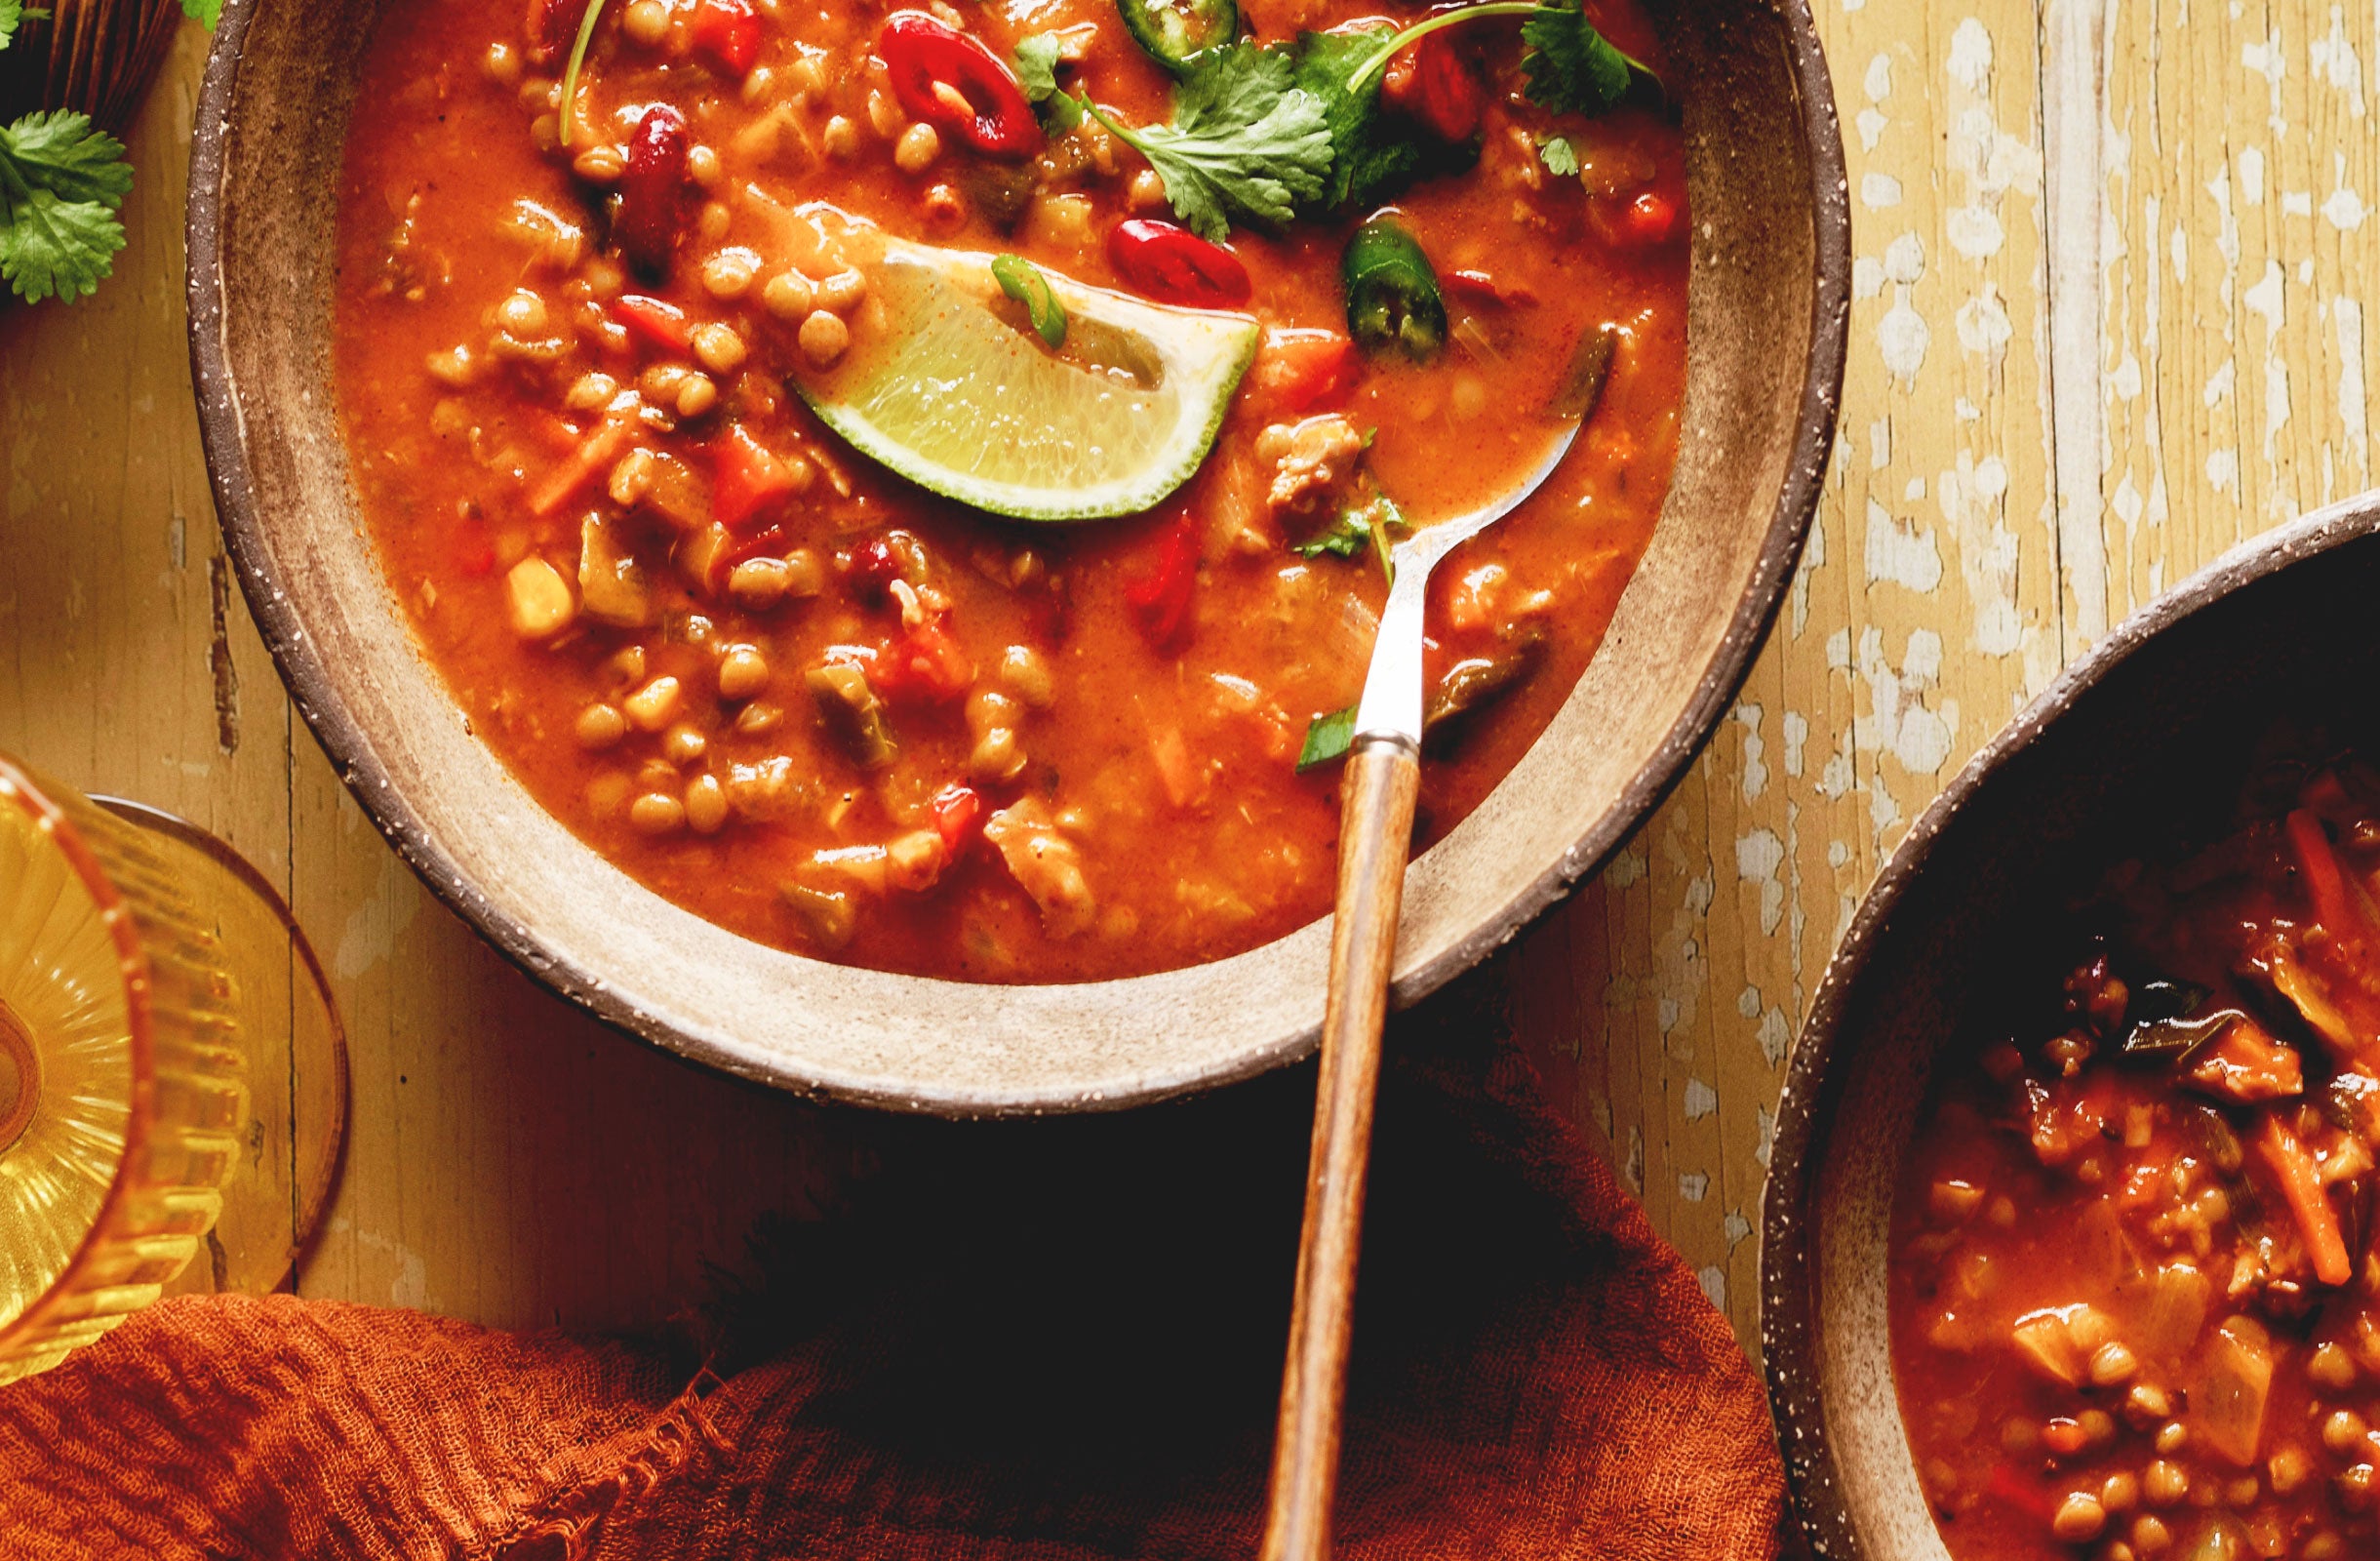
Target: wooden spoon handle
[[1375, 836]]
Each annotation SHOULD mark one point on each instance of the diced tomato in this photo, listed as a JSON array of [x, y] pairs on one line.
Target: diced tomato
[[726, 33], [548, 28], [1161, 599], [745, 477], [650, 320], [1434, 85], [925, 664], [1297, 370], [958, 816]]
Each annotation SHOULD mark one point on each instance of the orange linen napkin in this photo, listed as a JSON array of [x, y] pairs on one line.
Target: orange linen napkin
[[1053, 1340]]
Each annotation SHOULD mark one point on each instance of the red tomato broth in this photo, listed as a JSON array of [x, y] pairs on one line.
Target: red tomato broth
[[1199, 840], [2128, 1220]]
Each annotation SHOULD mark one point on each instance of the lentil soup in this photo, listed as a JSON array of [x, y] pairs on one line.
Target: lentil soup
[[603, 400], [2135, 1297]]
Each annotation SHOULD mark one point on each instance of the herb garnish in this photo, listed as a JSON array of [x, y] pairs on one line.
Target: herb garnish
[[1368, 525], [1037, 59], [570, 73], [1327, 738], [62, 184], [1037, 65], [1022, 280], [1262, 133], [1245, 142], [1559, 157]]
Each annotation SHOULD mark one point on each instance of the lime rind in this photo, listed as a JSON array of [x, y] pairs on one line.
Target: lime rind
[[961, 402]]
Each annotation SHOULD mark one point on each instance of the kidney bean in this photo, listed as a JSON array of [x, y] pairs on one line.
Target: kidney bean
[[654, 192], [1175, 266], [875, 566], [949, 80]]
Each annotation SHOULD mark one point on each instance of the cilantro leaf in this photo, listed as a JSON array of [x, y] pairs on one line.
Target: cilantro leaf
[[209, 12], [1037, 65], [61, 152], [1572, 68], [1357, 528], [1559, 157], [1369, 158], [1246, 143], [12, 17], [60, 182], [56, 247], [1037, 73], [1327, 738]]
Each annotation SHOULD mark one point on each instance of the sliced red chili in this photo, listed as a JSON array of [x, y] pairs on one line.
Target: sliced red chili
[[653, 191], [1431, 83], [1175, 266], [746, 476], [949, 80], [656, 322], [1160, 600], [726, 33], [958, 816]]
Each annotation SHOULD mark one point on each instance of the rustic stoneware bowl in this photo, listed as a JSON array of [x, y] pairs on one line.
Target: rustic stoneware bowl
[[1769, 295], [2142, 744]]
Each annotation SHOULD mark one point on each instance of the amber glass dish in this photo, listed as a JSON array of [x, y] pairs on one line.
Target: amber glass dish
[[124, 1087]]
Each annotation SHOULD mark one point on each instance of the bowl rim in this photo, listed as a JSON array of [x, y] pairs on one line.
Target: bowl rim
[[1790, 1344], [300, 661]]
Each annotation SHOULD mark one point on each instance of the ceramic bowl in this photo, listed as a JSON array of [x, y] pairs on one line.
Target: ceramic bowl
[[2144, 743], [1766, 315]]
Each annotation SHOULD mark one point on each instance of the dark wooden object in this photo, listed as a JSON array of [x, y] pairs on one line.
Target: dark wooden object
[[1375, 836]]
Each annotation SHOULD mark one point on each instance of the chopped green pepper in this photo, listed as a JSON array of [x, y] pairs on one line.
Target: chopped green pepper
[[1173, 33], [1392, 291]]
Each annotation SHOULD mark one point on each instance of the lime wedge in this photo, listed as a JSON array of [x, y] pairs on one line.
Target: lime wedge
[[946, 383]]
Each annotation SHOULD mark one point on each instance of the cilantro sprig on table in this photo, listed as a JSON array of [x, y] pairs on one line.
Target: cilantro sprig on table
[[62, 181], [1262, 133]]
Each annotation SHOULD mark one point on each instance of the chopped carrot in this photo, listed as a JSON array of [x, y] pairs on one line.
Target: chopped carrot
[[2325, 885], [658, 323], [602, 446], [2301, 1186], [746, 476]]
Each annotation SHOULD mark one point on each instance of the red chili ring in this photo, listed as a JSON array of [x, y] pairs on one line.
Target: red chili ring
[[1175, 266], [995, 119]]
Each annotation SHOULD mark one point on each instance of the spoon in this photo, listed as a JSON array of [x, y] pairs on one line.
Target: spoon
[[1382, 779]]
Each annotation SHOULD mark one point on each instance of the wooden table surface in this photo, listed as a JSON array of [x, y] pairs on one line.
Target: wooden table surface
[[2111, 315]]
